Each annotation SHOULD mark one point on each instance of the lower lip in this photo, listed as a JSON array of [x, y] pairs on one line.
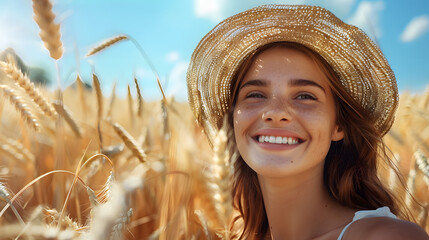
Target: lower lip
[[275, 146]]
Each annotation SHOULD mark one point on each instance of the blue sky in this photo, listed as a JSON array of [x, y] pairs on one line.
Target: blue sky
[[169, 30]]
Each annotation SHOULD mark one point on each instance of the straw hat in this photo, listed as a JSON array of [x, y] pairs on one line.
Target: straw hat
[[363, 70]]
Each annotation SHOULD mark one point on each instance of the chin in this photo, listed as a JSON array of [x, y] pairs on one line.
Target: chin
[[275, 170]]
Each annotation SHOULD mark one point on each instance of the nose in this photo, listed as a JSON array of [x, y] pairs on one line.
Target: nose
[[276, 112]]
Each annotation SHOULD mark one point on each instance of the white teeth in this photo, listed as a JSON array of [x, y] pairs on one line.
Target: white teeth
[[277, 139]]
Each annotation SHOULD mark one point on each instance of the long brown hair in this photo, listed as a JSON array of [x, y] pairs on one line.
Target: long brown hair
[[350, 170]]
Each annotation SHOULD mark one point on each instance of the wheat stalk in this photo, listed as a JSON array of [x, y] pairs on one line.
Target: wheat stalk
[[21, 107], [49, 31], [105, 44], [130, 142], [4, 195], [24, 82], [140, 98], [65, 113]]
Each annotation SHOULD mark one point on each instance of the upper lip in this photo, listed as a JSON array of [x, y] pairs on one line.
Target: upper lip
[[277, 133]]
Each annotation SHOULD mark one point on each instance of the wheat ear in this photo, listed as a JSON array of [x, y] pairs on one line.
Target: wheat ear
[[219, 177], [81, 90], [10, 151], [422, 164], [24, 82], [21, 107], [107, 43], [112, 101], [49, 30], [65, 113], [99, 94], [130, 142], [130, 104], [140, 98], [14, 147]]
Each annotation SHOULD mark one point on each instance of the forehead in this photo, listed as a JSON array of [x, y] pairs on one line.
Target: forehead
[[283, 55], [285, 62]]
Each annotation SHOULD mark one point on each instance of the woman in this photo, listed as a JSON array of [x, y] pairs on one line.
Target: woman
[[308, 99]]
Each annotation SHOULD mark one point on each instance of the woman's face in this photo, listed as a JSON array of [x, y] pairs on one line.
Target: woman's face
[[284, 116]]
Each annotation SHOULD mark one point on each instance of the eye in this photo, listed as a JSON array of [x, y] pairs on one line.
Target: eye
[[255, 95], [305, 96]]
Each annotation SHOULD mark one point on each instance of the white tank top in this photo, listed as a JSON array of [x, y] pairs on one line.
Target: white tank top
[[379, 212]]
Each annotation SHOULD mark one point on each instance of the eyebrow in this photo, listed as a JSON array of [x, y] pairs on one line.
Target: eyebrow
[[256, 82], [305, 82], [293, 83]]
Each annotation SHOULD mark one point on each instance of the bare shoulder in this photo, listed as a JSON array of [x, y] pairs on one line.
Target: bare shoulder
[[384, 228]]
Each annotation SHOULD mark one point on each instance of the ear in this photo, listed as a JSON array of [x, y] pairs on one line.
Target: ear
[[337, 134]]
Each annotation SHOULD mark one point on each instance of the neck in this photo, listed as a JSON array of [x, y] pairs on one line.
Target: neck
[[299, 206]]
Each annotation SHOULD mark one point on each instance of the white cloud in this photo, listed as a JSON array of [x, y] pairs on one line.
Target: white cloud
[[177, 82], [367, 16], [173, 56], [415, 28], [211, 9]]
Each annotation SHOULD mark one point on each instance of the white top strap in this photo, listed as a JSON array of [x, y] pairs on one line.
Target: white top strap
[[379, 212]]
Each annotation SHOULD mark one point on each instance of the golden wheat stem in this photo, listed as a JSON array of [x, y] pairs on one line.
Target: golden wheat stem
[[21, 107], [24, 82], [130, 142], [145, 56], [34, 181], [105, 44], [4, 194], [49, 31], [79, 167], [65, 113]]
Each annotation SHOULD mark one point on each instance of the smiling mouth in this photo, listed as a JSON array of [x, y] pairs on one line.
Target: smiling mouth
[[278, 140]]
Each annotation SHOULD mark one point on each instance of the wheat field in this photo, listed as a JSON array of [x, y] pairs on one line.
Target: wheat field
[[82, 164]]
